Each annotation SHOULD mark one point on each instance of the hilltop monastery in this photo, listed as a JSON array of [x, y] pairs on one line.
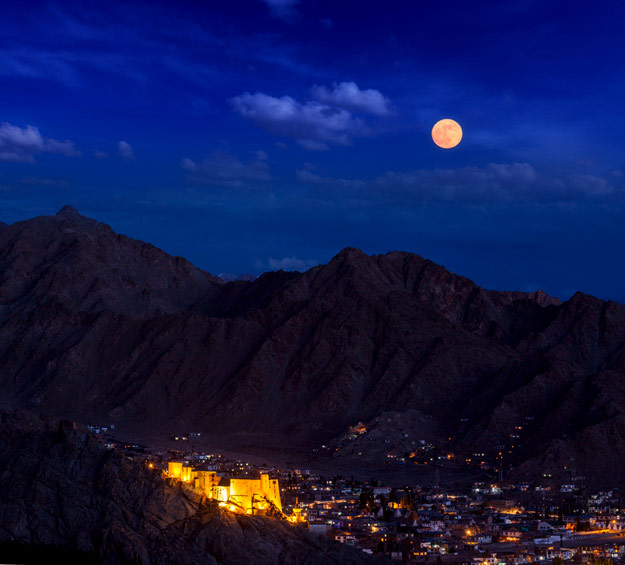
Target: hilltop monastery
[[251, 496]]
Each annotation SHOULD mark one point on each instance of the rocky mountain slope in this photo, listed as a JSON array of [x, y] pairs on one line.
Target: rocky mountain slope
[[97, 326], [61, 490]]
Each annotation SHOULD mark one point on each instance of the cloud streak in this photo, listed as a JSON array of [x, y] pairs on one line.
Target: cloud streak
[[223, 168], [497, 182], [37, 181], [283, 9]]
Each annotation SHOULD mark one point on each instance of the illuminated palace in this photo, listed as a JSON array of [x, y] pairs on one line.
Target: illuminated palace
[[251, 496]]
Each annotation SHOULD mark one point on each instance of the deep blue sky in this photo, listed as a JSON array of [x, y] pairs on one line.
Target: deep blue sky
[[254, 135]]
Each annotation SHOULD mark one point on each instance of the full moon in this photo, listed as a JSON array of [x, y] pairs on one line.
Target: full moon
[[446, 133]]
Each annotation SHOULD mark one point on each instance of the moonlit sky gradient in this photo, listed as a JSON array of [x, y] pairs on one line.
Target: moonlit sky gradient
[[262, 134]]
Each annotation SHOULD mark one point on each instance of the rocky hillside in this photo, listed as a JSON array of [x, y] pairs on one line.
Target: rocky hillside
[[99, 326], [63, 493]]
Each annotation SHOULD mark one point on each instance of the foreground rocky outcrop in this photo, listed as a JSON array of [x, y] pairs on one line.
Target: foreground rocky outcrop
[[61, 490], [97, 326]]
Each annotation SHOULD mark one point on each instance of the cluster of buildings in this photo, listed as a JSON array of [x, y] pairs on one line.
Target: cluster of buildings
[[248, 495], [488, 524], [97, 429]]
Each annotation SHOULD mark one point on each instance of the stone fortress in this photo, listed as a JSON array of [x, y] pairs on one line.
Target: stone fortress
[[250, 496]]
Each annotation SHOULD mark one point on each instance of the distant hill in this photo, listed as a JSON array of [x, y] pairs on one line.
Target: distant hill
[[95, 325]]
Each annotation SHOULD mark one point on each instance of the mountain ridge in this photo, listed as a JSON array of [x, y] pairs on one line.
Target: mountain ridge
[[97, 325]]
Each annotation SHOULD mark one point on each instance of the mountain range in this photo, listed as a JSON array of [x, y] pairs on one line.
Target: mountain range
[[96, 326]]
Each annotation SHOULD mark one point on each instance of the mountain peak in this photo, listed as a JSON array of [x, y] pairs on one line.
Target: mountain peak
[[68, 210], [544, 299], [351, 251], [350, 255]]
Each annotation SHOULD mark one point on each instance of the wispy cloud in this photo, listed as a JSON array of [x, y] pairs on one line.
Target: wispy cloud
[[133, 41], [20, 145], [315, 124], [37, 181], [35, 63], [125, 151], [100, 154], [492, 182], [347, 95], [287, 264], [223, 168], [312, 124], [283, 9], [309, 177]]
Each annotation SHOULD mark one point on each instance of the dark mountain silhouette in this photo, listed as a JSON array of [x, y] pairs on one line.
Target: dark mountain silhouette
[[95, 325]]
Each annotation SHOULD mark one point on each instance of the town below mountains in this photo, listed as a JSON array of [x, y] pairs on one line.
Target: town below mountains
[[384, 362], [375, 408]]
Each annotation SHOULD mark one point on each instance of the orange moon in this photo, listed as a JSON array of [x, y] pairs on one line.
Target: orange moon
[[446, 133]]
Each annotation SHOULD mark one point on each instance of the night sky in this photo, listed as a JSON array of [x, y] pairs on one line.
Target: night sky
[[255, 135]]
